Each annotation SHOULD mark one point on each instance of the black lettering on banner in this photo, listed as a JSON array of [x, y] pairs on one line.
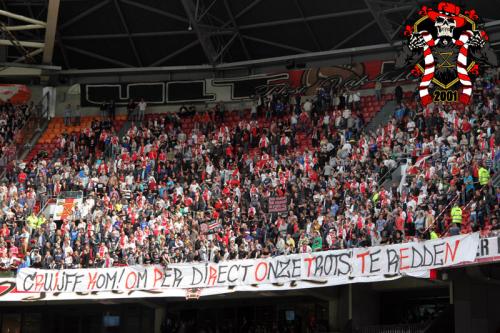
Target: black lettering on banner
[[28, 278], [41, 297], [245, 271], [484, 248], [327, 266], [10, 287], [427, 254], [392, 260], [296, 267], [196, 271], [70, 279], [237, 267], [318, 265], [278, 269], [177, 277], [498, 245], [168, 273], [413, 261], [121, 276], [437, 252], [58, 283], [222, 272], [78, 279], [284, 267], [374, 257], [142, 277], [101, 281], [342, 259], [111, 278], [47, 283]]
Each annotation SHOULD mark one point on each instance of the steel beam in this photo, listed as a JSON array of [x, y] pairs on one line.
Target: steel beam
[[283, 46], [308, 27], [384, 26], [173, 54], [21, 18], [7, 42], [235, 26], [24, 27], [97, 56], [206, 43], [199, 18], [29, 55], [127, 31], [247, 8], [50, 31], [62, 49], [348, 53], [353, 35], [155, 10], [221, 52], [307, 18], [14, 42], [83, 14], [144, 34]]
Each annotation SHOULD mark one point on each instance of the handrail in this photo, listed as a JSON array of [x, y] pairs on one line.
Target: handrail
[[465, 207], [45, 204], [396, 328]]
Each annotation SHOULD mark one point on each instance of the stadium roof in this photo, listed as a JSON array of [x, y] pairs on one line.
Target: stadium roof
[[100, 34]]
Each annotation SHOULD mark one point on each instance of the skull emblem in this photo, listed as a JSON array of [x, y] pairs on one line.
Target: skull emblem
[[445, 26]]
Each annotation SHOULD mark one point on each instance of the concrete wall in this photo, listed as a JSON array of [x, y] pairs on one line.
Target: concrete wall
[[63, 99], [365, 305], [476, 302]]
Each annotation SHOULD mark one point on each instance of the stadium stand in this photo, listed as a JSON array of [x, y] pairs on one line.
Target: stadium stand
[[188, 187]]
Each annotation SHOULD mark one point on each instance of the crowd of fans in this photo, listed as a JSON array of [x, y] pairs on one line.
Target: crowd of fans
[[162, 194], [12, 119]]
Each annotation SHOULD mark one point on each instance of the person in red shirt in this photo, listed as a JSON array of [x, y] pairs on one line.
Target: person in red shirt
[[21, 178], [400, 222]]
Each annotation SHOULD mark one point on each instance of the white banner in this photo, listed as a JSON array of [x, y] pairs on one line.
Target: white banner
[[335, 267], [9, 292], [488, 250]]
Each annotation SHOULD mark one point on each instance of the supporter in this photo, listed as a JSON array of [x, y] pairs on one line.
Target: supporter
[[378, 90], [142, 110], [166, 193], [67, 115], [131, 109]]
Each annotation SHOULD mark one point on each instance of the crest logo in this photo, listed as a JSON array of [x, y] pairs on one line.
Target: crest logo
[[445, 47]]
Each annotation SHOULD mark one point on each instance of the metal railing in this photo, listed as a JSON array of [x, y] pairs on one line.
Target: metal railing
[[398, 328]]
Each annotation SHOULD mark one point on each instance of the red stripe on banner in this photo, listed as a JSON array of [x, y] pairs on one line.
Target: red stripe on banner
[[428, 77], [463, 77]]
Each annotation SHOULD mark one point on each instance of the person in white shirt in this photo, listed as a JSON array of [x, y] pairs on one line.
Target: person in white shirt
[[142, 110], [355, 100], [346, 114], [308, 106], [410, 126]]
